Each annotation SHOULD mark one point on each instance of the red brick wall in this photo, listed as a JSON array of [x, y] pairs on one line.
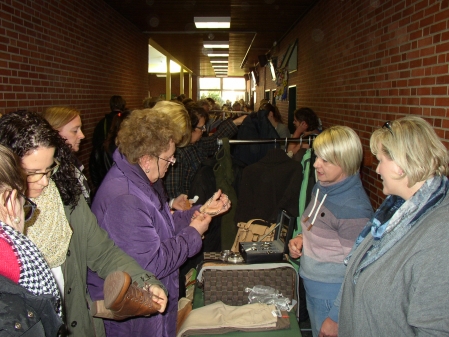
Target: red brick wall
[[75, 53], [361, 63]]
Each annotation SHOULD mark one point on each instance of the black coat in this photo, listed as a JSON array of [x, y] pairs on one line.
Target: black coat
[[255, 126], [271, 184], [25, 314]]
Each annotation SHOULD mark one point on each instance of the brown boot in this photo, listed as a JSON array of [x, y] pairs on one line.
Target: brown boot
[[127, 300]]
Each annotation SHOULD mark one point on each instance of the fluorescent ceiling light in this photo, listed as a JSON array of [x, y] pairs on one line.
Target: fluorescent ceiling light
[[219, 66], [221, 75], [218, 54], [212, 22], [216, 44], [161, 75]]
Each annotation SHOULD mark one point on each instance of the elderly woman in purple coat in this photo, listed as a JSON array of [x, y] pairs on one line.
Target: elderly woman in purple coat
[[132, 206]]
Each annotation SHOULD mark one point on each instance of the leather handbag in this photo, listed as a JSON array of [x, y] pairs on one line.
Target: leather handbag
[[252, 231]]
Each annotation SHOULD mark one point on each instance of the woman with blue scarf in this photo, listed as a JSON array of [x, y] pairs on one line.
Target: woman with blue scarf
[[397, 276]]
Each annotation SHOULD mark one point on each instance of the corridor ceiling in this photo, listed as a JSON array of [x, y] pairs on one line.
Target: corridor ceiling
[[257, 28]]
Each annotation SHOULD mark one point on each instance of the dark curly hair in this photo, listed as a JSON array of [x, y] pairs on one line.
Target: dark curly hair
[[23, 131]]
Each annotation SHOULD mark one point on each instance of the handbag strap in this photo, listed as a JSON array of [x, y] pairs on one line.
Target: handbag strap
[[248, 224]]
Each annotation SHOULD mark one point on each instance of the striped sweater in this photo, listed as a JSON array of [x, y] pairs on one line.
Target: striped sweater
[[337, 223]]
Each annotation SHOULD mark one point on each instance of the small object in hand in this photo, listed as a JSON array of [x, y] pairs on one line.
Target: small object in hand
[[194, 200], [187, 205]]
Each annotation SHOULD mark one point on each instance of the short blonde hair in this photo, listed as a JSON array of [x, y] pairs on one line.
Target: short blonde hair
[[146, 132], [414, 146], [180, 116], [58, 116], [340, 145]]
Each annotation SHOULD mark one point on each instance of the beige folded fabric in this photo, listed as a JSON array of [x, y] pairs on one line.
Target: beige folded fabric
[[184, 309], [221, 318]]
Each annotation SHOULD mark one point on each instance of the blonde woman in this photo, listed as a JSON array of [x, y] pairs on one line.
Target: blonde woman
[[337, 212], [397, 277], [67, 121]]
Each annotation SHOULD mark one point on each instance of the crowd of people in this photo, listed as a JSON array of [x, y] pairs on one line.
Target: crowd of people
[[365, 272]]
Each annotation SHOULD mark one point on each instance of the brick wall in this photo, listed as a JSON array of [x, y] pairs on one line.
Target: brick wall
[[75, 53], [363, 62]]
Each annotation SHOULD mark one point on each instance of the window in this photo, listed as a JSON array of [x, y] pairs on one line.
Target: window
[[209, 83], [222, 89], [234, 83]]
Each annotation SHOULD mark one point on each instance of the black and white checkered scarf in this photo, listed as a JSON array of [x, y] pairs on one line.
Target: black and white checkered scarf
[[35, 274]]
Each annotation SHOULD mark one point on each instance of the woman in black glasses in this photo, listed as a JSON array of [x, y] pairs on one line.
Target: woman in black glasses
[[132, 206], [29, 291], [63, 227], [397, 276]]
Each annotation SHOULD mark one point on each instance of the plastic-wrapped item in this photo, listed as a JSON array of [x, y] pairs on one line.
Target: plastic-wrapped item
[[261, 290], [268, 295]]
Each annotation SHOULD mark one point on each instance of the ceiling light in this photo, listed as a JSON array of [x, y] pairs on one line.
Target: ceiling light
[[212, 22], [216, 44], [161, 75], [218, 54]]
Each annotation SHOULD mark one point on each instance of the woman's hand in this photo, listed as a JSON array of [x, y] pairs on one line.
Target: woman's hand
[[295, 247], [181, 203], [159, 296], [200, 221], [218, 204], [329, 328]]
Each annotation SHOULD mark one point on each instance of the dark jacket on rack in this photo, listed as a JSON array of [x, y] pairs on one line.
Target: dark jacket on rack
[[255, 126], [97, 165], [271, 184], [179, 178]]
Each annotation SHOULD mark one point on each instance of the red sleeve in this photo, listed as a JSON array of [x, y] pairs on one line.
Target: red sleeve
[[9, 265]]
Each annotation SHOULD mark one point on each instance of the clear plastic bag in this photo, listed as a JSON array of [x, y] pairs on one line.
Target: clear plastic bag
[[268, 295]]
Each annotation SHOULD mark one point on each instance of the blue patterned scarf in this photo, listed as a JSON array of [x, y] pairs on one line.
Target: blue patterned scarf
[[395, 217]]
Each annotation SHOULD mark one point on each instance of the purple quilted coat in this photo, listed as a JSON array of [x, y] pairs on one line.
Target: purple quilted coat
[[137, 217]]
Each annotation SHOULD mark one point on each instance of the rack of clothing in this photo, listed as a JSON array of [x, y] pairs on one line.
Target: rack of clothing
[[282, 141], [216, 117]]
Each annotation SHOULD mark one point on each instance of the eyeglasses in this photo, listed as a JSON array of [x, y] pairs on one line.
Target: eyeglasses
[[387, 125], [202, 128], [35, 177], [171, 160], [28, 207]]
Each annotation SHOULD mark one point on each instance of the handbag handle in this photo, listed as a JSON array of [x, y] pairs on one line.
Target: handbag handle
[[250, 222]]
